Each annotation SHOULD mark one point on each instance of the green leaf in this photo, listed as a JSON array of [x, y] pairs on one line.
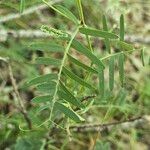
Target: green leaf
[[104, 23], [42, 99], [121, 68], [41, 79], [22, 6], [76, 78], [47, 87], [125, 46], [67, 95], [41, 108], [122, 28], [47, 61], [121, 97], [50, 47], [101, 82], [82, 49], [68, 112], [111, 72], [142, 57], [107, 42], [78, 63], [67, 13], [98, 33]]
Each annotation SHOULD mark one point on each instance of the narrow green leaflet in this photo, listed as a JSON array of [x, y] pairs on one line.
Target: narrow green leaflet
[[78, 63], [22, 6], [49, 47], [98, 33], [42, 99], [76, 78], [47, 61], [41, 108], [111, 72], [41, 79], [107, 42], [122, 28], [67, 95], [125, 46], [121, 97], [68, 112], [67, 13], [47, 87], [142, 57], [82, 49], [63, 11], [104, 23], [63, 95], [121, 68], [101, 82]]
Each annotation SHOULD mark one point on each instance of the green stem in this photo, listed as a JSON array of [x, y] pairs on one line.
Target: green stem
[[60, 71], [79, 5], [81, 12], [108, 56], [48, 4]]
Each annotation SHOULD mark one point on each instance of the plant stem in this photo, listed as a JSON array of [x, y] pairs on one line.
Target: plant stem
[[111, 55], [83, 22], [60, 71]]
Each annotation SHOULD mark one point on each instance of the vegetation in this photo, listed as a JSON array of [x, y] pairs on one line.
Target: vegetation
[[74, 75]]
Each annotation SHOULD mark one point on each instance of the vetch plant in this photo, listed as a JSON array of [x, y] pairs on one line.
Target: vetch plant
[[58, 94]]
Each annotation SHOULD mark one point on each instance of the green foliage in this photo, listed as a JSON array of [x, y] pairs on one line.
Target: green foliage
[[22, 6], [45, 82], [68, 112], [121, 68], [71, 78], [111, 72], [98, 33], [50, 47], [105, 28]]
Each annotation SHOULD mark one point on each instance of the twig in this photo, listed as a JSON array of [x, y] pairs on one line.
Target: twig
[[87, 97], [30, 10], [21, 107], [102, 127]]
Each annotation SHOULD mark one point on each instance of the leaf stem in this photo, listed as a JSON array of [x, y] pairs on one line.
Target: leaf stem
[[60, 71], [111, 55], [79, 4]]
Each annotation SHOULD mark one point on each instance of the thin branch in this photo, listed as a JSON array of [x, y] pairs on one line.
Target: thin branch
[[28, 11], [21, 107], [87, 97], [102, 127], [20, 101]]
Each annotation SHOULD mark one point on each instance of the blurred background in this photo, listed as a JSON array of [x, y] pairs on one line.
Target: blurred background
[[18, 31]]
